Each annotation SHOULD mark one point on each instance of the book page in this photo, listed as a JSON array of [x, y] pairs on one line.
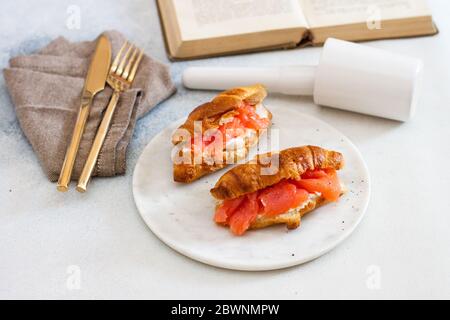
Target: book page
[[202, 19], [323, 13]]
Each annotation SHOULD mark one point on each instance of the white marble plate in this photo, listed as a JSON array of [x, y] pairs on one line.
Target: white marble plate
[[182, 215]]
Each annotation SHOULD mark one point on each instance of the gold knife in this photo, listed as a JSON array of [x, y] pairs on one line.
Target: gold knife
[[95, 82]]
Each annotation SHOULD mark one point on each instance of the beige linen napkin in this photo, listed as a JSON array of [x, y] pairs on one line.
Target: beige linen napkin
[[46, 90]]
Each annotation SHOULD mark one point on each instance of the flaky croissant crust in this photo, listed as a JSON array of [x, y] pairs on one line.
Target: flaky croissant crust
[[250, 177]]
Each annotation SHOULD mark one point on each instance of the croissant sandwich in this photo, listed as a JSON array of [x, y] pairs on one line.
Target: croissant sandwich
[[229, 126], [277, 188]]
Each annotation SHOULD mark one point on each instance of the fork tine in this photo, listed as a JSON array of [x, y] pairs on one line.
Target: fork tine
[[119, 70], [117, 59], [126, 72], [135, 66]]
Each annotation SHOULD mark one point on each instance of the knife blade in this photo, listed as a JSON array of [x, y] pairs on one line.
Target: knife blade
[[99, 68], [94, 83]]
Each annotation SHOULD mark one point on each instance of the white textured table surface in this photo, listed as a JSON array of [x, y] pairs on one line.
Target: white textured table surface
[[401, 249]]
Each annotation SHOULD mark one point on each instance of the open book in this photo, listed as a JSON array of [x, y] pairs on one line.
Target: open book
[[202, 28]]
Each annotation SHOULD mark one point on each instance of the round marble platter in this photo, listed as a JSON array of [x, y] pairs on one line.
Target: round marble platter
[[182, 215]]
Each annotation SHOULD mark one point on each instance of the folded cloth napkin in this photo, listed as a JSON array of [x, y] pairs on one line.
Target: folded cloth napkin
[[46, 90]]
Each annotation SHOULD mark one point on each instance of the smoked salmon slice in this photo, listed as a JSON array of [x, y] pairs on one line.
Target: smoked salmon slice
[[301, 196], [278, 198], [246, 118], [314, 174], [250, 119], [243, 217], [226, 209], [325, 182]]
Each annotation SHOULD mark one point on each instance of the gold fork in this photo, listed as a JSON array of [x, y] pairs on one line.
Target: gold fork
[[120, 78]]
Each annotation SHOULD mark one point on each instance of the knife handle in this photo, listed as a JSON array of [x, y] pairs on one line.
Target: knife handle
[[72, 150], [98, 143]]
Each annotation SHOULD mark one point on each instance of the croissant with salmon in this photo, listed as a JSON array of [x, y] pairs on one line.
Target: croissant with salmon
[[237, 115], [278, 188]]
